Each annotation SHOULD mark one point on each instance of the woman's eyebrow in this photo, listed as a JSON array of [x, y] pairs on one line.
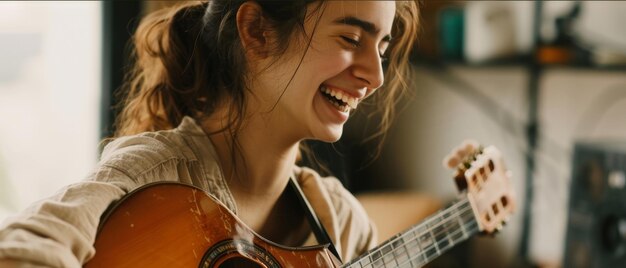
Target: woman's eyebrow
[[366, 26]]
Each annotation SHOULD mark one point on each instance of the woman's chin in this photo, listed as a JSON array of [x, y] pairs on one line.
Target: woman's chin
[[328, 135]]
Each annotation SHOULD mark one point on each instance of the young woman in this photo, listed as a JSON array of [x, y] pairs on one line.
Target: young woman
[[221, 96]]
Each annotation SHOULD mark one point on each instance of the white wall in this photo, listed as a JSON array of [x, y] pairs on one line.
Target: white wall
[[50, 56]]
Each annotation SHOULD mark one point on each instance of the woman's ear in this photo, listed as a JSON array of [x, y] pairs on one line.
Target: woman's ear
[[252, 30]]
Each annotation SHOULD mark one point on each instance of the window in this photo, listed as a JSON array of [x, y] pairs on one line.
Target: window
[[50, 84]]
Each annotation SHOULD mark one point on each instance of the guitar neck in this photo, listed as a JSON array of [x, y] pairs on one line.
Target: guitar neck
[[425, 241]]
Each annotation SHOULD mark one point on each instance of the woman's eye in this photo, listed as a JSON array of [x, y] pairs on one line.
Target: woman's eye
[[351, 41], [355, 43]]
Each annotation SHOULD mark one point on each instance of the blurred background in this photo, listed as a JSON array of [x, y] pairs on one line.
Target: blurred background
[[543, 81]]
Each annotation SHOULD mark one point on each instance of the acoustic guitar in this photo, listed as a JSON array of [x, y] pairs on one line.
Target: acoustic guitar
[[177, 225]]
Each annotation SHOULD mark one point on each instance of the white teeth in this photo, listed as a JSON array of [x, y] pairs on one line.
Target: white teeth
[[341, 96]]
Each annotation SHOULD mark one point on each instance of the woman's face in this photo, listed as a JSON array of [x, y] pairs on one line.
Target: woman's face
[[341, 67]]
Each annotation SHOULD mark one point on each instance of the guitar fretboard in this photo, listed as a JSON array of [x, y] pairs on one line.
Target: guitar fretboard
[[423, 242]]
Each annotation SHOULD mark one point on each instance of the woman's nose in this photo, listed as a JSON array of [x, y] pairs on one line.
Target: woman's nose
[[369, 69]]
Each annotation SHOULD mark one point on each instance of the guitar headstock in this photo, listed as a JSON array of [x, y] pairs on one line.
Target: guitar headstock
[[482, 175]]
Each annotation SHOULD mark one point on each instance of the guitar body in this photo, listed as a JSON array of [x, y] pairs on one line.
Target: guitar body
[[177, 225]]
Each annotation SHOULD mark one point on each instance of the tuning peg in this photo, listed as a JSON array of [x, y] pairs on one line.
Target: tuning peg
[[451, 161], [469, 146], [460, 154]]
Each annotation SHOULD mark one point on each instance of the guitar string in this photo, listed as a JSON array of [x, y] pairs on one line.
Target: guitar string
[[423, 256], [423, 251], [431, 245], [427, 222], [458, 213], [426, 259], [466, 230], [445, 229]]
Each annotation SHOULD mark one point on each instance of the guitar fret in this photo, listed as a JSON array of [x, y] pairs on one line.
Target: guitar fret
[[365, 261], [433, 237], [452, 226], [440, 235], [455, 236], [420, 243], [387, 258], [428, 245], [378, 263], [386, 249], [401, 253], [376, 260], [463, 231], [413, 246]]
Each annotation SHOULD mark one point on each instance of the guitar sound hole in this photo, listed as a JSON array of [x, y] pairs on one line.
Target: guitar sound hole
[[237, 262]]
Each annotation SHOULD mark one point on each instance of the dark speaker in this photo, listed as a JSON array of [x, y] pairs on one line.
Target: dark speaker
[[596, 224]]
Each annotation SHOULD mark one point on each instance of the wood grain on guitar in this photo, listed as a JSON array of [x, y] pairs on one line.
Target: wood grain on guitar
[[174, 225]]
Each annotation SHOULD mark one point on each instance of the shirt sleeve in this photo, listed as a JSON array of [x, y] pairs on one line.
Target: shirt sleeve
[[59, 231]]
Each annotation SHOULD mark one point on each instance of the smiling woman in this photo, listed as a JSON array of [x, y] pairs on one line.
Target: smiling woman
[[220, 97]]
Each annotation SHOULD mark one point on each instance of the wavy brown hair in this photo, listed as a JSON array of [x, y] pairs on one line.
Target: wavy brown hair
[[398, 69], [188, 58]]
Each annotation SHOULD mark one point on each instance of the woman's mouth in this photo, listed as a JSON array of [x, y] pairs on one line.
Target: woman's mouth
[[342, 101]]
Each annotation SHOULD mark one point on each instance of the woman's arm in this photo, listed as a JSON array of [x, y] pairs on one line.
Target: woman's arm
[[58, 231]]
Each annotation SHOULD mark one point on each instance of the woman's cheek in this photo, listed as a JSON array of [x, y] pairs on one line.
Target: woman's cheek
[[337, 61]]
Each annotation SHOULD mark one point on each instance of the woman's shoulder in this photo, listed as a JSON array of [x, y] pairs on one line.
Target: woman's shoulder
[[156, 145], [159, 143], [341, 213], [310, 178], [331, 189], [138, 153]]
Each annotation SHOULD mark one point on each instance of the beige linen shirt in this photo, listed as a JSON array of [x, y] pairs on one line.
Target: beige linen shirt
[[59, 231]]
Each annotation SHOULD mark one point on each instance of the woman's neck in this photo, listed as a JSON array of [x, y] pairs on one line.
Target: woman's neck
[[257, 163], [257, 172]]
